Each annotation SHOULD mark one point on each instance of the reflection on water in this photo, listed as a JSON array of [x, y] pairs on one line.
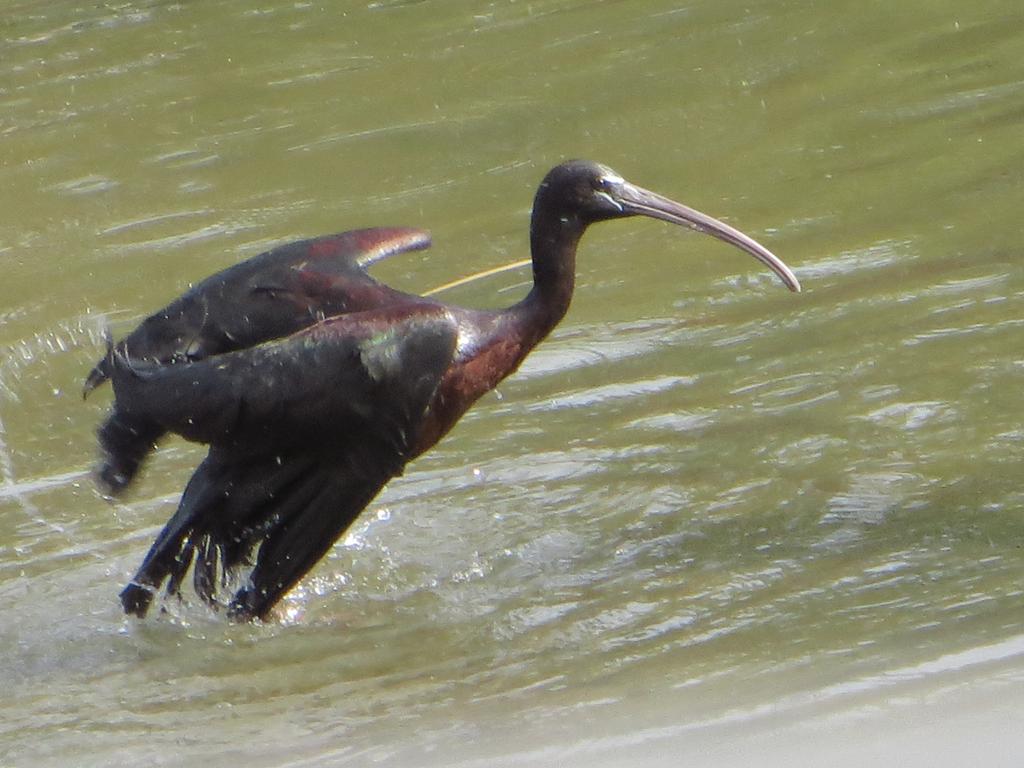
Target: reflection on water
[[708, 519]]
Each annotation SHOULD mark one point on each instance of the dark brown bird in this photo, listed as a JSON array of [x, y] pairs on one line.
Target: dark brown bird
[[314, 384], [267, 297]]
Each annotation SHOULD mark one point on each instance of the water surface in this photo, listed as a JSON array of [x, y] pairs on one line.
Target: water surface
[[708, 520]]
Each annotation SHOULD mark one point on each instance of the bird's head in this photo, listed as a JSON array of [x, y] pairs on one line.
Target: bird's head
[[585, 189], [590, 192]]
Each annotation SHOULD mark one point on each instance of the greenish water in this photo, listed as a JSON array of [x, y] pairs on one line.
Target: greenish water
[[708, 521]]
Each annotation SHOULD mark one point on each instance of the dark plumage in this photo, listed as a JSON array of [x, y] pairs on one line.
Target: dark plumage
[[313, 384], [267, 297]]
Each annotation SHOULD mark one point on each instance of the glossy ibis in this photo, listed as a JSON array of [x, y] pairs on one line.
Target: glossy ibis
[[314, 384]]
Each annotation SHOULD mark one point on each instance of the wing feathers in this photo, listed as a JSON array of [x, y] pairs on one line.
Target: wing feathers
[[343, 376], [270, 296], [305, 433]]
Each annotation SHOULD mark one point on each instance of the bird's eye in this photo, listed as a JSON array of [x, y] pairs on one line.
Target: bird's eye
[[608, 183]]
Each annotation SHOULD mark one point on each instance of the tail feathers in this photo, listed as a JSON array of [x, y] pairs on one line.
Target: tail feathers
[[125, 440], [293, 510], [125, 443], [101, 371], [99, 374]]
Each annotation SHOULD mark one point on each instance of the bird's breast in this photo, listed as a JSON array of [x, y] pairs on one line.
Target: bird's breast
[[481, 361]]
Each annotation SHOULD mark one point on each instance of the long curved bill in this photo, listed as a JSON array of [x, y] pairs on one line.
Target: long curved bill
[[642, 202]]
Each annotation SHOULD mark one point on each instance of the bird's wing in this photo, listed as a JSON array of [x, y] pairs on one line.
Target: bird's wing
[[269, 296], [279, 514], [266, 297], [305, 433], [347, 372], [364, 247]]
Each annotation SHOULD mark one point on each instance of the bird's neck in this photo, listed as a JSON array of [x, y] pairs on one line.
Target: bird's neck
[[553, 241]]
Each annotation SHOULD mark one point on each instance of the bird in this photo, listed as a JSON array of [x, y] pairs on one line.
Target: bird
[[268, 296], [313, 385]]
